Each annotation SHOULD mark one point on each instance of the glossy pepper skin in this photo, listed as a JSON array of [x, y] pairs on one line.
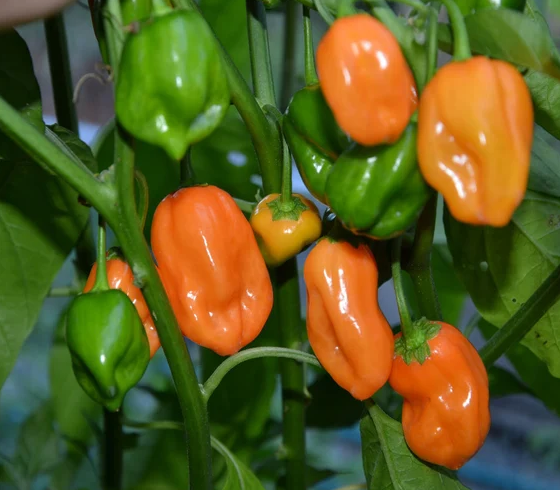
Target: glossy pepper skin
[[366, 80], [346, 329], [120, 276], [172, 89], [210, 264], [378, 191], [445, 414], [108, 345], [282, 237], [470, 6], [475, 149], [314, 138]]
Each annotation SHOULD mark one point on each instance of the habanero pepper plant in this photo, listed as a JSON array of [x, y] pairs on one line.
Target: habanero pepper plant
[[193, 176]]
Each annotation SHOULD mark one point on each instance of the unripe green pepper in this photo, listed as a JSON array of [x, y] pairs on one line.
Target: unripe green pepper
[[108, 345], [314, 138], [378, 191], [470, 6], [172, 89]]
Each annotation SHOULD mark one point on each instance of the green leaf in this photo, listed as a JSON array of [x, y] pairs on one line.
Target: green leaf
[[40, 222], [389, 464], [503, 383], [37, 449], [502, 267], [73, 409], [343, 409], [532, 371], [545, 92], [238, 476], [508, 35], [544, 176]]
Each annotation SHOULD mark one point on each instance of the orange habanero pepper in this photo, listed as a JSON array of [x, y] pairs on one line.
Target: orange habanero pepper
[[211, 267], [346, 329], [475, 130], [120, 276], [281, 238], [445, 414], [366, 80]]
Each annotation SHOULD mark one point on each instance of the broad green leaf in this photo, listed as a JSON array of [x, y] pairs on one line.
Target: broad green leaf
[[40, 222], [544, 176], [331, 406], [508, 35], [238, 476], [545, 92], [37, 449], [72, 407], [503, 383], [531, 370], [389, 464], [502, 267]]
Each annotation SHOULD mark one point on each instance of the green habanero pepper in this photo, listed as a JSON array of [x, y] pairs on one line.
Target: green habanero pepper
[[108, 345], [314, 138], [172, 89], [378, 191]]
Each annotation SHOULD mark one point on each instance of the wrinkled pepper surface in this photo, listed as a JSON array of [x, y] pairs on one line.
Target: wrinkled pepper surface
[[366, 80], [445, 414], [108, 345], [210, 264], [120, 276], [378, 191], [346, 329], [172, 90], [475, 148], [282, 234]]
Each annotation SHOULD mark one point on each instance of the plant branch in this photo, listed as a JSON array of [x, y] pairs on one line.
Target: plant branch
[[404, 314], [289, 54], [419, 265], [523, 320], [112, 451], [255, 353]]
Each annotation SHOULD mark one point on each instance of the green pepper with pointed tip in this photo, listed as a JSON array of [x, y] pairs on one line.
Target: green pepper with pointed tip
[[108, 345]]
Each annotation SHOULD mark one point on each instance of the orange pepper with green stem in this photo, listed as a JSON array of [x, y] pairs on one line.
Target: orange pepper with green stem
[[209, 262]]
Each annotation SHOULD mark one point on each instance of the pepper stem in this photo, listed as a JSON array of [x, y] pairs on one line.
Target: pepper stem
[[407, 327], [346, 8], [101, 282], [187, 176], [143, 196], [286, 173], [324, 12], [309, 53], [461, 47], [160, 7]]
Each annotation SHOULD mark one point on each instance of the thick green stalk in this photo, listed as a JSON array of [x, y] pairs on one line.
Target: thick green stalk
[[523, 320], [419, 265], [289, 54], [286, 294], [61, 76], [461, 47], [263, 132], [309, 53], [101, 281], [112, 451], [407, 327], [130, 235]]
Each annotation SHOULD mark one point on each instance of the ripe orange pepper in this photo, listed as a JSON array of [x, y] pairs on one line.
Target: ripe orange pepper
[[283, 234], [445, 413], [475, 130], [346, 329], [211, 267], [120, 276], [366, 80]]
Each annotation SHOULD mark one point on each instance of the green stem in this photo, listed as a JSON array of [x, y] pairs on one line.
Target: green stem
[[255, 353], [289, 54], [187, 176], [431, 45], [324, 12], [261, 67], [143, 197], [523, 320], [101, 282], [473, 323], [112, 23], [292, 374], [309, 52], [112, 451], [461, 47], [416, 5], [61, 76], [138, 255], [419, 265], [407, 327], [37, 146], [85, 253], [263, 133], [286, 195]]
